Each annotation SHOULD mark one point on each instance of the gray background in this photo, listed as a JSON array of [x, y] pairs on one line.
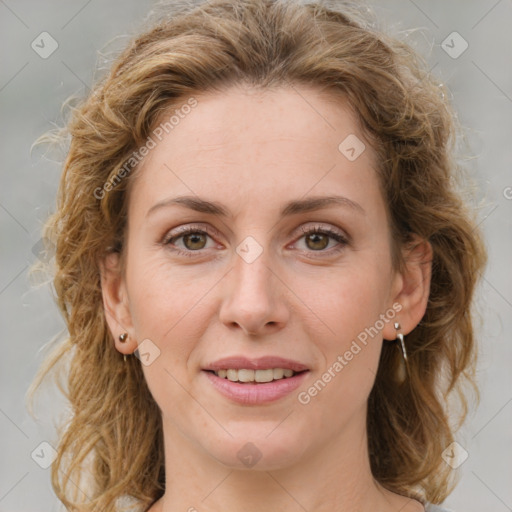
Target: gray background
[[32, 90]]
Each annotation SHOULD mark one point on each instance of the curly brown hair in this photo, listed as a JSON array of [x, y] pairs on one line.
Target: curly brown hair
[[407, 115]]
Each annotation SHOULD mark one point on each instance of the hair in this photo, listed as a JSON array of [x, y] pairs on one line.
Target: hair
[[113, 438]]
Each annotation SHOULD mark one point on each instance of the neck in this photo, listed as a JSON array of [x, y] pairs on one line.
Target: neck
[[333, 476]]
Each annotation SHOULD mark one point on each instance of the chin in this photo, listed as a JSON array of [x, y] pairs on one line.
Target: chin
[[258, 447]]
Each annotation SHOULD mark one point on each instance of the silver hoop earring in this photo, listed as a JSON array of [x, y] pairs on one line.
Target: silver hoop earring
[[403, 371], [400, 337]]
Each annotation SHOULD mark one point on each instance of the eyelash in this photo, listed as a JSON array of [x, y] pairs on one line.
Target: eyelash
[[342, 240]]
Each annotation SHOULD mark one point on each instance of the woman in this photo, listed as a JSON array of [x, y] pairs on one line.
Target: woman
[[265, 268]]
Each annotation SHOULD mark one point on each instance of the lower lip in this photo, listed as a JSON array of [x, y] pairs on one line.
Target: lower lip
[[255, 394]]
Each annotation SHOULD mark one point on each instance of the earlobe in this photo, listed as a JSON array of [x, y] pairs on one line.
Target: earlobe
[[414, 285], [115, 303]]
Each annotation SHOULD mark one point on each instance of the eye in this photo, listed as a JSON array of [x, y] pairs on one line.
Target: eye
[[192, 238], [317, 239]]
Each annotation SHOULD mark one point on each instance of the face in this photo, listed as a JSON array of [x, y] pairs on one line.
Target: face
[[259, 282]]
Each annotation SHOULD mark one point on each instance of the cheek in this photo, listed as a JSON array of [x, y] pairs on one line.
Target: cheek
[[351, 299], [161, 294], [166, 307], [349, 355], [353, 309], [171, 306]]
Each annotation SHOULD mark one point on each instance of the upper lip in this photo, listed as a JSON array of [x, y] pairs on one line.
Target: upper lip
[[261, 363]]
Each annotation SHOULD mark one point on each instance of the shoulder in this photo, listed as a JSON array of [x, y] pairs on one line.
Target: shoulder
[[429, 507]]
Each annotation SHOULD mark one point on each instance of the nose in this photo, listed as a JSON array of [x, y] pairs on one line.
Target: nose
[[254, 298]]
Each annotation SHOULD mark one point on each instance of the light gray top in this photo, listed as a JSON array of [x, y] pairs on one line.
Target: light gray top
[[429, 507]]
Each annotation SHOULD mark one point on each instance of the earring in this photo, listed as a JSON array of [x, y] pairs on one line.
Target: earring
[[122, 338], [404, 368]]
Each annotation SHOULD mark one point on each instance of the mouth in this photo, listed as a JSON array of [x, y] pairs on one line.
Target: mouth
[[249, 376], [255, 381]]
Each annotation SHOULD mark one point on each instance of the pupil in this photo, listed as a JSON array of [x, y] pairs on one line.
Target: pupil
[[317, 235], [194, 238]]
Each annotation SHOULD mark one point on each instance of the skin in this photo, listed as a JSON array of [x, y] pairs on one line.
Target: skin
[[253, 151]]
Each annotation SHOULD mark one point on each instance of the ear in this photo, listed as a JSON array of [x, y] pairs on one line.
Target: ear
[[115, 303], [411, 287]]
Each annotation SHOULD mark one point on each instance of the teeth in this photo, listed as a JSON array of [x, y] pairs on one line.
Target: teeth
[[244, 375], [264, 375], [232, 375], [278, 373]]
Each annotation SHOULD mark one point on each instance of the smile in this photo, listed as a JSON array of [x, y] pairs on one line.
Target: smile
[[255, 381], [258, 376], [255, 393]]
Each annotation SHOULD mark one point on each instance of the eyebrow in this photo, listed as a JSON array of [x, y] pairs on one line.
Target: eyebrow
[[294, 207]]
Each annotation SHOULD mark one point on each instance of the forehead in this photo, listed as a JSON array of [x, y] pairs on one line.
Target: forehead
[[244, 142], [241, 114]]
